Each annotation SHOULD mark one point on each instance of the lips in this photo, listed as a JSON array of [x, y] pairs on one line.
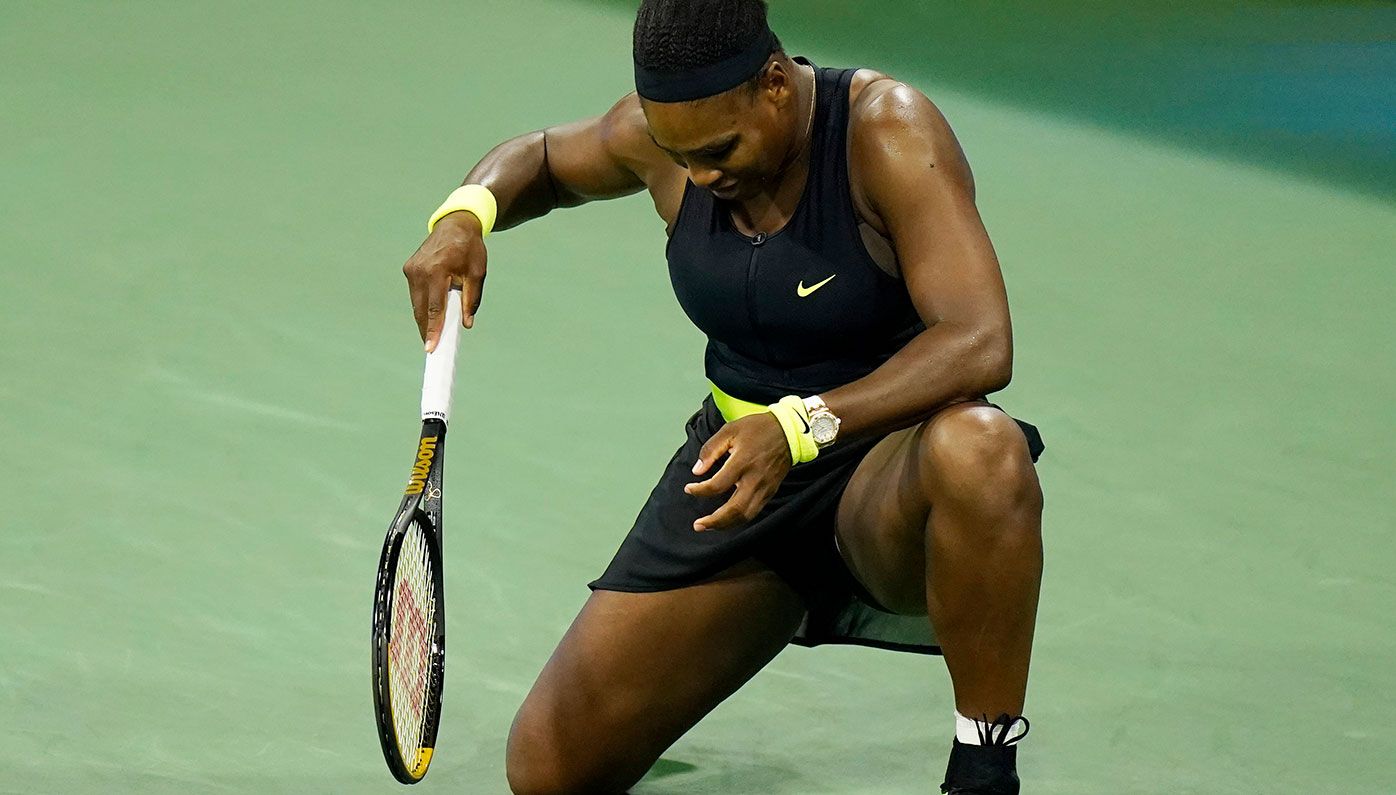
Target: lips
[[724, 191]]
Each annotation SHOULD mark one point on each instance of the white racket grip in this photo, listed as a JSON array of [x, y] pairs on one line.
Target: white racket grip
[[441, 364]]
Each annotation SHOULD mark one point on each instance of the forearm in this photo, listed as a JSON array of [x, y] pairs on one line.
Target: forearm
[[516, 172], [943, 365]]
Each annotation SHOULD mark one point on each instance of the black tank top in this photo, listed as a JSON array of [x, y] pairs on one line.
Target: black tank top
[[802, 310]]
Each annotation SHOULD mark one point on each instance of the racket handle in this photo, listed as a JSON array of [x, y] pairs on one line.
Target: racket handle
[[441, 364]]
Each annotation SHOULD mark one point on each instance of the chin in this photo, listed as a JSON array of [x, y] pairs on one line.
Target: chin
[[746, 189]]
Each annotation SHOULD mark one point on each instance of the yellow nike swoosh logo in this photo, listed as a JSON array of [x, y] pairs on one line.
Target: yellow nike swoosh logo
[[803, 291]]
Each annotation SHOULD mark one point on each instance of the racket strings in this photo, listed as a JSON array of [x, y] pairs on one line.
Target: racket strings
[[410, 641]]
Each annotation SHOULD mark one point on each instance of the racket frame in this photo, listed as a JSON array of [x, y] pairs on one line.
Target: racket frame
[[424, 509]]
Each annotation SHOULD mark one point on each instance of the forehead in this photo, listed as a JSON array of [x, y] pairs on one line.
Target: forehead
[[688, 126]]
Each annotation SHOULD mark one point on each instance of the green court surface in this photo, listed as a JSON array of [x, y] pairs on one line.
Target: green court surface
[[209, 377]]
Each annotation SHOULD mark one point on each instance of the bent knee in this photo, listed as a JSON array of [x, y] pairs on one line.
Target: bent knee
[[977, 454], [541, 759], [534, 761]]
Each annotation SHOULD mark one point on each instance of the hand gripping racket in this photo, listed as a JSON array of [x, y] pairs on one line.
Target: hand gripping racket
[[409, 610]]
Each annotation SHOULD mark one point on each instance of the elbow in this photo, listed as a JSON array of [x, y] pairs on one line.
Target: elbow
[[995, 356]]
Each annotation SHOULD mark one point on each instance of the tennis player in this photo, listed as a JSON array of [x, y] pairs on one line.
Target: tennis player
[[846, 481]]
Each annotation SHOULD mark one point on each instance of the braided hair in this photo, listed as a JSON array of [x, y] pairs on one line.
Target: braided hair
[[680, 35]]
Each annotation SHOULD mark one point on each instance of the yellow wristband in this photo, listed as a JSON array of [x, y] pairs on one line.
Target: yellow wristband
[[474, 199], [794, 420]]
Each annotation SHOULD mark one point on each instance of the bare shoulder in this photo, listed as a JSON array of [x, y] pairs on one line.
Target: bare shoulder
[[882, 106], [895, 126], [625, 135]]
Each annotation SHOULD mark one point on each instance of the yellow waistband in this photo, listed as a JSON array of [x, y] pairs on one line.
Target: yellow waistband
[[733, 408], [790, 412]]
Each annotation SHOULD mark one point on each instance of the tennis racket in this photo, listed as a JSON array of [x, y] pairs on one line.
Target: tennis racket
[[409, 608]]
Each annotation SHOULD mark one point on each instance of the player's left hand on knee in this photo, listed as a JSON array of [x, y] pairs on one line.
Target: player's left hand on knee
[[758, 459]]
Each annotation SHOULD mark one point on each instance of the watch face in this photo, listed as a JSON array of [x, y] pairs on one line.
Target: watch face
[[823, 429]]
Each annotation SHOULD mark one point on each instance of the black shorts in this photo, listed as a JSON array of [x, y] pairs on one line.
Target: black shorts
[[793, 535]]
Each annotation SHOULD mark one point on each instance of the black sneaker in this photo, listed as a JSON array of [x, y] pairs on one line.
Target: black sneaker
[[989, 769]]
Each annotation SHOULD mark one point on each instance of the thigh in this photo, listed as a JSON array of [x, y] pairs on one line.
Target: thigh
[[637, 670], [882, 517], [881, 523]]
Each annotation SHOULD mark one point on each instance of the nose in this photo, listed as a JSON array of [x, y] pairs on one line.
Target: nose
[[704, 177]]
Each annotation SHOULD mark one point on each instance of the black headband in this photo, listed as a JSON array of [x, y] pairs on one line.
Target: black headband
[[706, 81]]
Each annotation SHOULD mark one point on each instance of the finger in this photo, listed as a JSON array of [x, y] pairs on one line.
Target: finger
[[723, 481], [734, 511], [718, 444], [417, 294], [436, 293], [471, 293], [419, 308]]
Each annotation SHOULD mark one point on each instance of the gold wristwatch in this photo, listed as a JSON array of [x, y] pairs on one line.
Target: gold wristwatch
[[823, 425]]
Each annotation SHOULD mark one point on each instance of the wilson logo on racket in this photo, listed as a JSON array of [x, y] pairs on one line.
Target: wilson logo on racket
[[426, 451]]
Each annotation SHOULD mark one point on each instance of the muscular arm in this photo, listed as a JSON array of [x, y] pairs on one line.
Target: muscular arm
[[570, 164], [563, 166], [916, 181]]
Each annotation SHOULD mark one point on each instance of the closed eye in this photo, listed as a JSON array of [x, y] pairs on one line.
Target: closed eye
[[720, 153], [714, 154]]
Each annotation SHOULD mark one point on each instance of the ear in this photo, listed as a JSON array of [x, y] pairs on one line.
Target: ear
[[776, 83]]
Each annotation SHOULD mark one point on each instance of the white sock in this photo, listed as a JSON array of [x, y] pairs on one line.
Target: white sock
[[969, 731]]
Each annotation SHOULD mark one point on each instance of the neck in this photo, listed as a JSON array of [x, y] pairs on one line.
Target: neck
[[804, 120]]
